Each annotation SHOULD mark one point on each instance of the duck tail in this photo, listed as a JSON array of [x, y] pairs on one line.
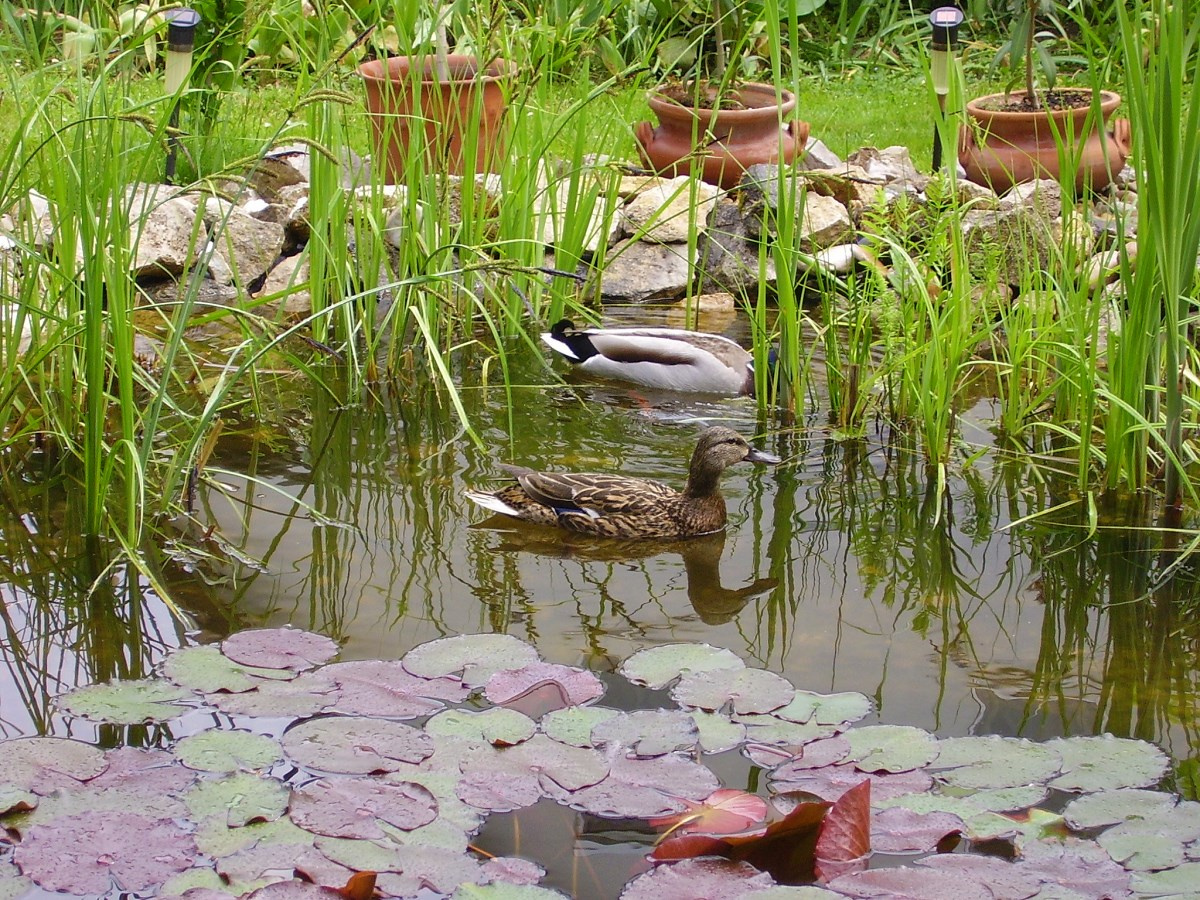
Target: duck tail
[[492, 502]]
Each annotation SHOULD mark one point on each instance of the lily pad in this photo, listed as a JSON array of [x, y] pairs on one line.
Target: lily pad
[[279, 648], [44, 765], [649, 732], [14, 799], [717, 732], [572, 768], [768, 729], [355, 745], [830, 782], [228, 751], [483, 790], [656, 667], [642, 788], [353, 807], [825, 709], [238, 799], [566, 686], [995, 762], [505, 892], [207, 670], [574, 725], [305, 695], [126, 702], [86, 854], [890, 748], [816, 755], [475, 656], [139, 771], [692, 878], [1112, 807], [1178, 882], [903, 831], [497, 726], [746, 691], [387, 689], [1107, 763], [906, 882]]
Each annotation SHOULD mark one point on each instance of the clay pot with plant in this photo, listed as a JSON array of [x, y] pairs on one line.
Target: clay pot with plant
[[446, 112], [718, 126], [1015, 137]]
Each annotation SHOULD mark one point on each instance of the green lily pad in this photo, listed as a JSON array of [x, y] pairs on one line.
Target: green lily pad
[[745, 691], [207, 670], [1107, 763], [574, 724], [476, 656], [215, 837], [995, 762], [504, 892], [648, 732], [12, 883], [656, 667], [1180, 881], [1114, 807], [228, 751], [717, 731], [15, 799], [1139, 848], [126, 702], [890, 748], [355, 745], [768, 729], [825, 709], [497, 726], [239, 799]]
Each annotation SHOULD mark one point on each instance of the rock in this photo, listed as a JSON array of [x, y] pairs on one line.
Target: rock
[[638, 272], [817, 156], [147, 353], [290, 275], [292, 164], [1017, 242], [850, 185], [249, 245], [729, 254], [823, 223], [976, 195], [1043, 196], [1105, 267], [893, 166], [208, 295], [670, 210], [163, 230]]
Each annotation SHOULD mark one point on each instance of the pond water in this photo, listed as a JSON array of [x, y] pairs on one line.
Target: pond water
[[843, 569]]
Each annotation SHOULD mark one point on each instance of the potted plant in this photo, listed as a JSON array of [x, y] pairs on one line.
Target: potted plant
[[453, 105], [715, 124], [1013, 137]]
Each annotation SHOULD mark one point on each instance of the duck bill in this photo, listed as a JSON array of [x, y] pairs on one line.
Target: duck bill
[[766, 459]]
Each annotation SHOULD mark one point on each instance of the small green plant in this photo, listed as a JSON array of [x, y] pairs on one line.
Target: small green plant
[[1026, 52]]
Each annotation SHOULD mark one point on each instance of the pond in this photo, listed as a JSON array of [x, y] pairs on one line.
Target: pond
[[843, 569]]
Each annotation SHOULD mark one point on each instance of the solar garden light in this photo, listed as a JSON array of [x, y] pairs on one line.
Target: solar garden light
[[945, 21], [181, 41]]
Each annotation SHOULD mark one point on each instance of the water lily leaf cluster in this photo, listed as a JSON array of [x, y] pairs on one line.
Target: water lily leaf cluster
[[282, 773]]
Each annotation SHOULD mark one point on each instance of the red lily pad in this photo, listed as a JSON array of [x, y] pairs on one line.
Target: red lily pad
[[558, 686], [724, 811], [1006, 879], [906, 883], [387, 689], [696, 878], [305, 695], [816, 755], [746, 691], [86, 854], [831, 782], [485, 791], [845, 834], [572, 768], [642, 788], [143, 771], [475, 656], [279, 648], [355, 745], [899, 830], [354, 807], [44, 765]]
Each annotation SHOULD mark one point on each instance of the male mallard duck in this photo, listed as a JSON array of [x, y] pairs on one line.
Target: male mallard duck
[[664, 358], [622, 507]]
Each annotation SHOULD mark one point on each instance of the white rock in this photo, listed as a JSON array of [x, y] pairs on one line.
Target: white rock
[[670, 211]]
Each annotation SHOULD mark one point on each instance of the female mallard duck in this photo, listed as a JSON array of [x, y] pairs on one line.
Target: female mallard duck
[[622, 507], [663, 358]]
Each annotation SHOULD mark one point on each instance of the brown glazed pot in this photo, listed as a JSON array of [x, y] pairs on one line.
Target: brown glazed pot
[[403, 108], [732, 139], [1000, 149]]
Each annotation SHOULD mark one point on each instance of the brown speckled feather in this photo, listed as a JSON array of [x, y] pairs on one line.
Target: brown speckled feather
[[618, 506]]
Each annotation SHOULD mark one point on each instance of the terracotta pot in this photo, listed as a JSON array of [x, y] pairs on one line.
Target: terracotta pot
[[1001, 149], [404, 108], [731, 140]]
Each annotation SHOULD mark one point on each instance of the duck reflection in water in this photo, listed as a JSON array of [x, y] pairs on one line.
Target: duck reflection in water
[[714, 603]]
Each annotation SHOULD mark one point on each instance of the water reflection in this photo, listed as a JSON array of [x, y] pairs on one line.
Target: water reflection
[[847, 568]]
